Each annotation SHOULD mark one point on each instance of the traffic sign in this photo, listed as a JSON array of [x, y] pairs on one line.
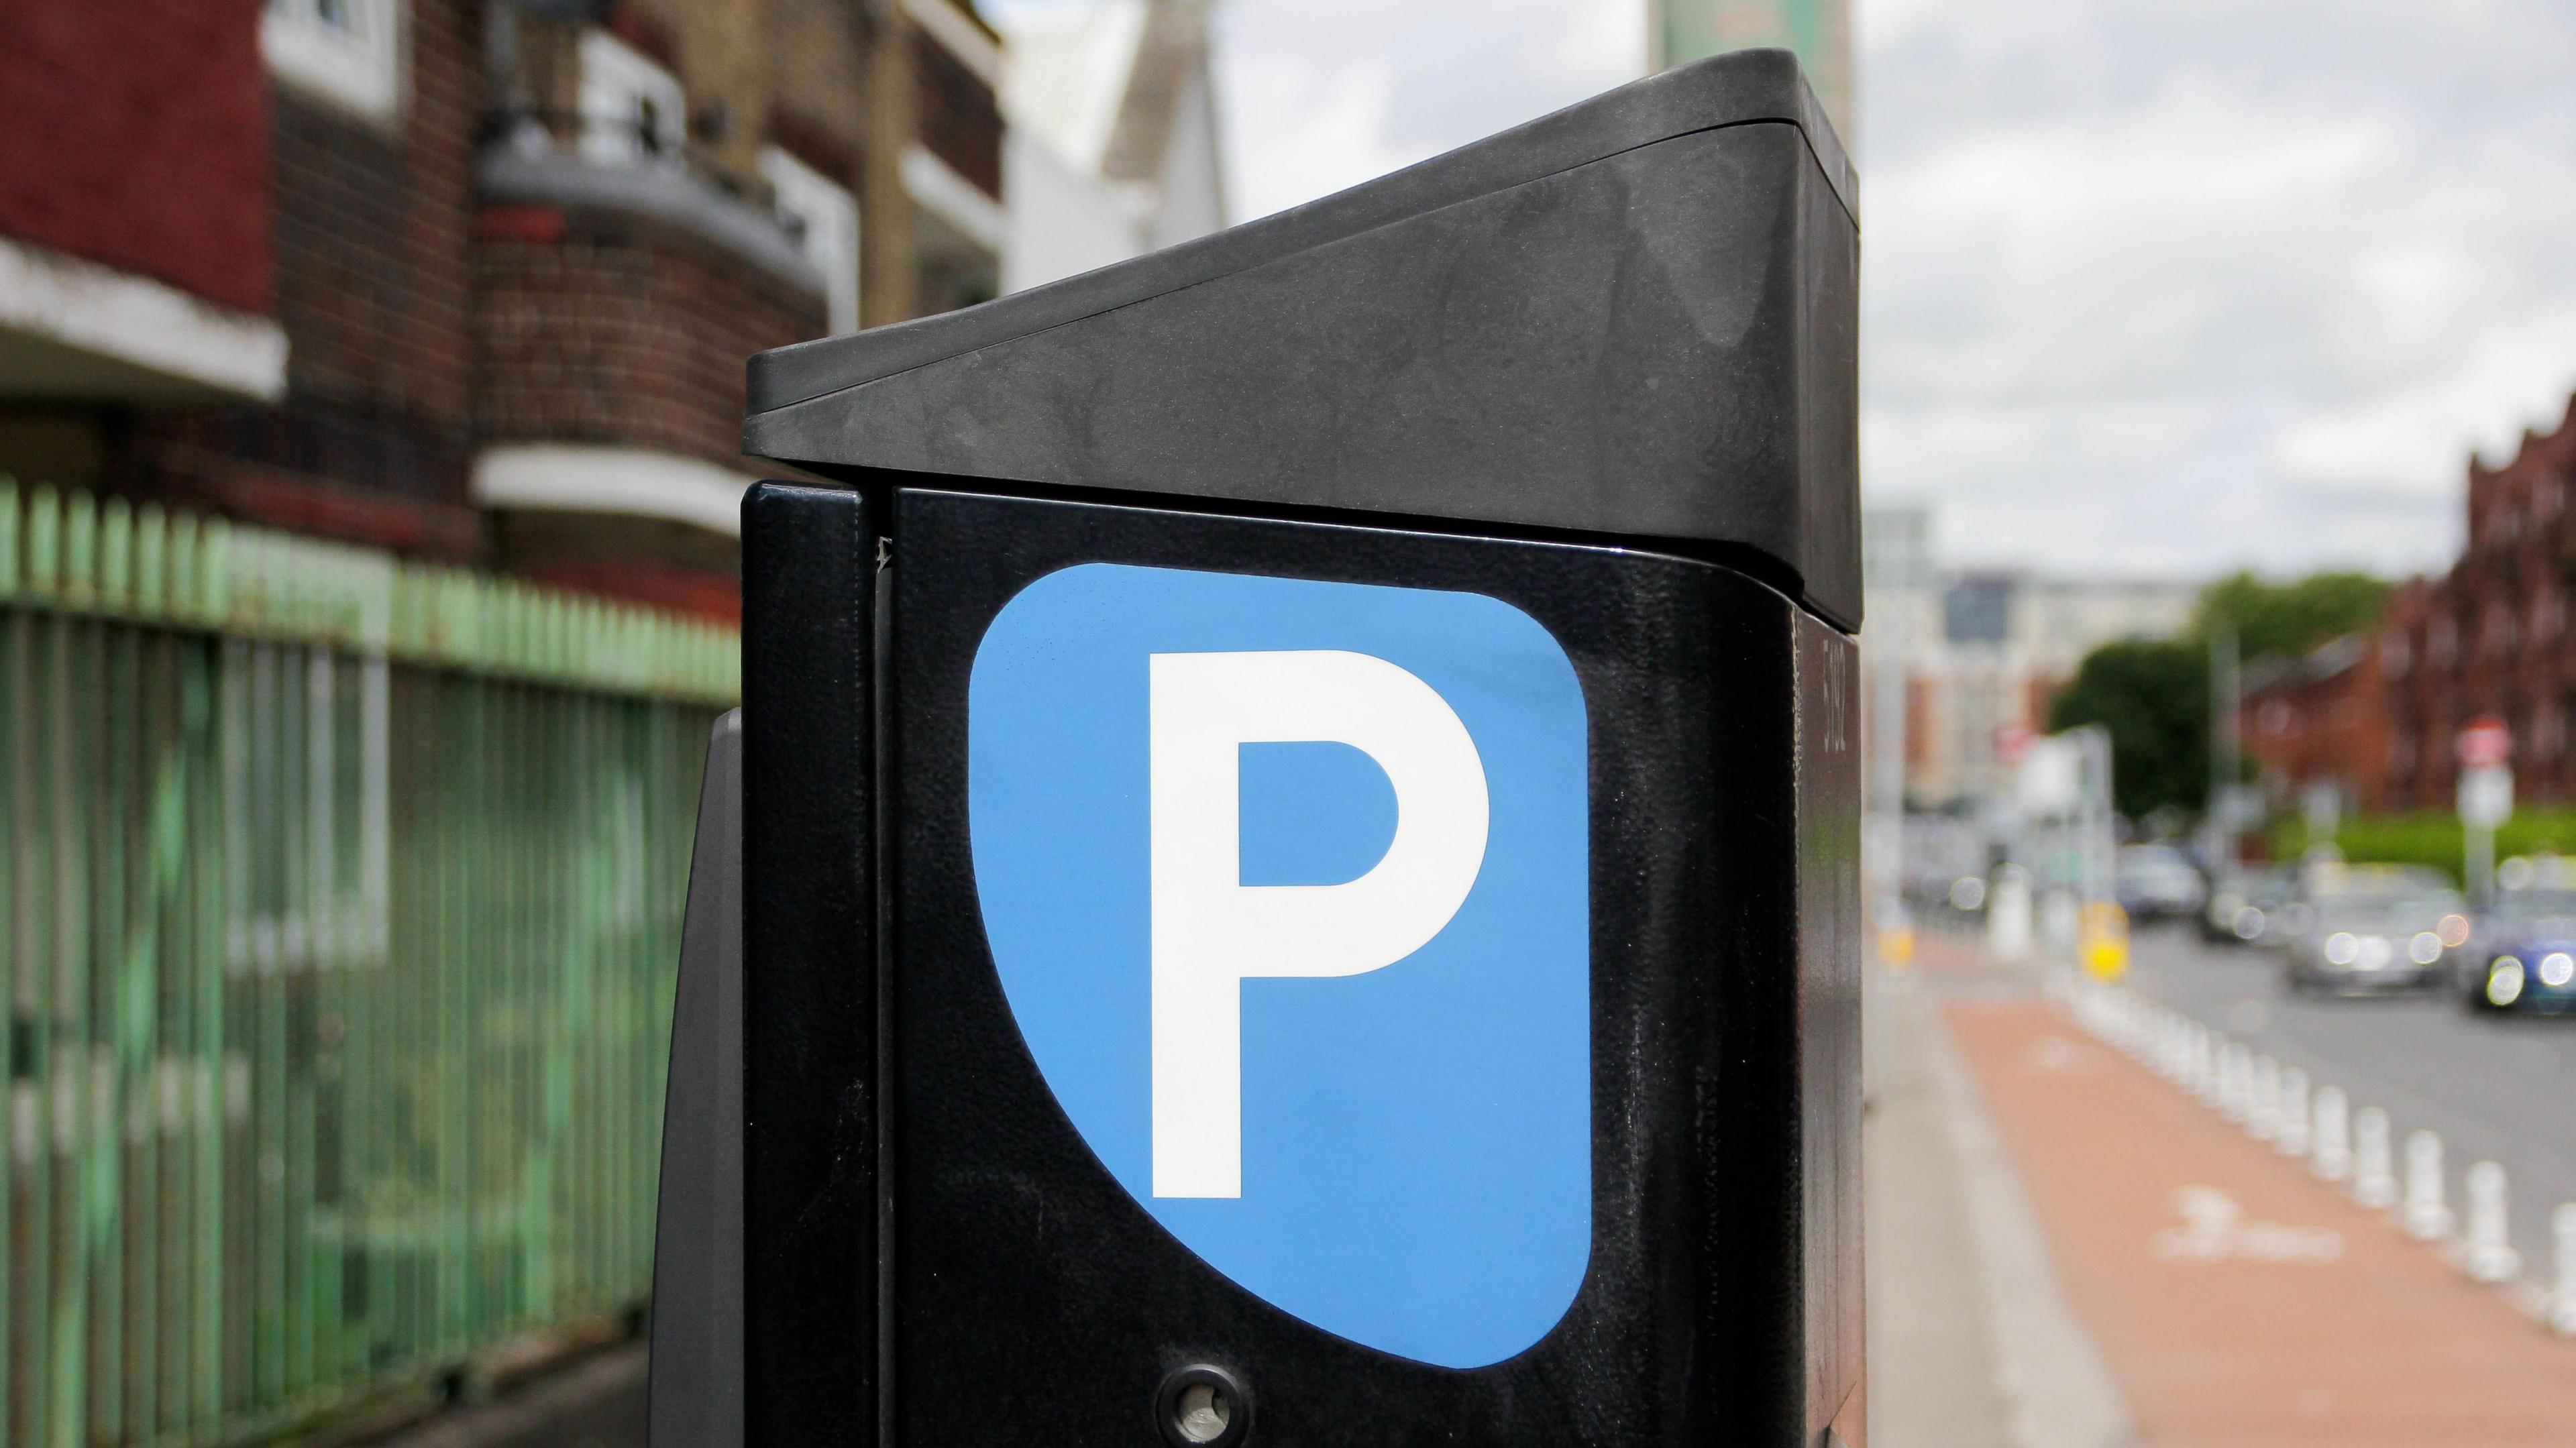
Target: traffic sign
[[2486, 796], [1285, 882], [2485, 742]]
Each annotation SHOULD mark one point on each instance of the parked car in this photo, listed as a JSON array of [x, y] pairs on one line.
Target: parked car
[[2157, 882], [2376, 928], [2252, 907], [2524, 955]]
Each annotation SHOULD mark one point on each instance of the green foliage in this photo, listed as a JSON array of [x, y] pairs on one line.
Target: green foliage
[[2431, 838], [2285, 620], [2153, 695]]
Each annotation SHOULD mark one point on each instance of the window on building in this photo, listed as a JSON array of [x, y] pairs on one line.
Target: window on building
[[346, 52], [633, 112], [1978, 611], [825, 217]]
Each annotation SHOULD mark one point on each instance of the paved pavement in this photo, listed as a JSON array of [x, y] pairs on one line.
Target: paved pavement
[[2239, 1302], [1931, 1383], [595, 1403], [2494, 1087]]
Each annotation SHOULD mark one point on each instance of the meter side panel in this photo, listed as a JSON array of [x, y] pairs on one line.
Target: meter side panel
[[1035, 1298]]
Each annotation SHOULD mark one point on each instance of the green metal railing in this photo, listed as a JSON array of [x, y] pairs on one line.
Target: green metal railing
[[340, 900]]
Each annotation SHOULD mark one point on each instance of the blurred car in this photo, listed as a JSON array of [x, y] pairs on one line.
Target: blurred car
[[2524, 956], [2252, 907], [2376, 928], [2157, 882]]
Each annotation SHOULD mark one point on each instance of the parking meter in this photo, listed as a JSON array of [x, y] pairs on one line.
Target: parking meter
[[1296, 874]]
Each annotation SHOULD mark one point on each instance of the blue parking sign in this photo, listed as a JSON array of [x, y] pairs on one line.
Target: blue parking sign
[[1286, 882]]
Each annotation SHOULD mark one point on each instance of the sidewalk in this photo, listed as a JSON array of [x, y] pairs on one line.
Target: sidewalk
[[2239, 1302]]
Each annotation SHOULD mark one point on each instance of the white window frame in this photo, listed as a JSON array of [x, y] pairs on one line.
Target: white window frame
[[348, 53], [623, 92], [826, 217]]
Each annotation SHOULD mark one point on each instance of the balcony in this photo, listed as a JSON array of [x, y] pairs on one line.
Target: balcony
[[622, 276]]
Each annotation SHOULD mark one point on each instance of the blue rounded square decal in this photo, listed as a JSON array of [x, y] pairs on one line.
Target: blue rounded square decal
[[1287, 884]]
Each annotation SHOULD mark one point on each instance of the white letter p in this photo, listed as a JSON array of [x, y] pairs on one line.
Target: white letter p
[[1211, 931]]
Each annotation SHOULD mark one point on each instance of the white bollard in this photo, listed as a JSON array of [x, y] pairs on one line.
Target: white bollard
[[2562, 1295], [2374, 1183], [2263, 1102], [2292, 1137], [2427, 1217], [2204, 1065], [2236, 1082], [2332, 1160], [2489, 1256]]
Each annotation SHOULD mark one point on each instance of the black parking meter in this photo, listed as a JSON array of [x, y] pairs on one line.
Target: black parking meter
[[1298, 833]]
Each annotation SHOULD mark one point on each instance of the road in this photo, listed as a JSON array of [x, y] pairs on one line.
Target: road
[[2495, 1087]]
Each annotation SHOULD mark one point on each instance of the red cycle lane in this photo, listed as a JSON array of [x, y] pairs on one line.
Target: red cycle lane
[[2239, 1301]]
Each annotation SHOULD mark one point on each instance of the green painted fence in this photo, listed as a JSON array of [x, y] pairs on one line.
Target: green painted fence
[[340, 900]]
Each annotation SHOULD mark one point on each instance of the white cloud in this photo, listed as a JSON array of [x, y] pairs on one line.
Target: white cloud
[[1324, 94], [2200, 284]]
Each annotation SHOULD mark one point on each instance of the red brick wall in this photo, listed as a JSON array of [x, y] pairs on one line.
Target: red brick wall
[[372, 289], [959, 120], [373, 276], [134, 132], [2322, 718], [621, 330], [2497, 635]]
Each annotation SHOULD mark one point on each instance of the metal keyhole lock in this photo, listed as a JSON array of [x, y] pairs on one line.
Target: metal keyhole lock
[[1201, 1406]]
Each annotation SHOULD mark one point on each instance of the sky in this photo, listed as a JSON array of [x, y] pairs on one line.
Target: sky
[[2151, 287]]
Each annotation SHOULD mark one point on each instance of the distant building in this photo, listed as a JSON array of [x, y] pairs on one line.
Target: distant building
[[472, 280], [2001, 645], [2494, 635], [2320, 721], [1985, 652], [1112, 150], [1818, 30]]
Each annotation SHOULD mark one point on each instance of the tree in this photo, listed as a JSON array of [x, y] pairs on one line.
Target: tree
[[2285, 620], [2153, 695]]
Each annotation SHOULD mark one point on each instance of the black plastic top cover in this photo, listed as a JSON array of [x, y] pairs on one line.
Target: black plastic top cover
[[1634, 319]]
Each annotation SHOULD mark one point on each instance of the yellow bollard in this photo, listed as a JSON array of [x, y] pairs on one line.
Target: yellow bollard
[[2102, 940], [1896, 944]]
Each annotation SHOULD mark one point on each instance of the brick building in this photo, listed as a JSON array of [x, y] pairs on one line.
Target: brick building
[[2492, 636], [2321, 719], [469, 279], [2377, 715]]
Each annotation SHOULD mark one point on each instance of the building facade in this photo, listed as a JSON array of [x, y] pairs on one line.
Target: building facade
[[2003, 644], [2320, 722], [2493, 636], [470, 280]]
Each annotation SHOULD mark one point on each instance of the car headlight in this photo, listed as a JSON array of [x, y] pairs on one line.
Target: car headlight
[[2248, 923], [2343, 948], [2454, 930], [2557, 968], [2504, 981], [2425, 948], [2376, 951]]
